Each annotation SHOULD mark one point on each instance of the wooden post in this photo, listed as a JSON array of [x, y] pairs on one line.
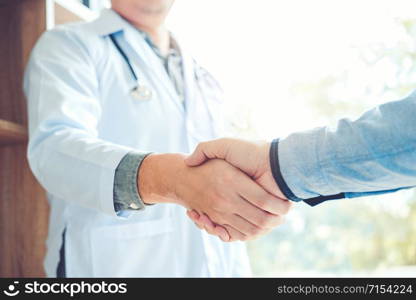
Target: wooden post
[[23, 206]]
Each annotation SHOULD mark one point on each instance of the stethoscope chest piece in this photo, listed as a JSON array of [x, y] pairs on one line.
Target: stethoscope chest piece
[[142, 93]]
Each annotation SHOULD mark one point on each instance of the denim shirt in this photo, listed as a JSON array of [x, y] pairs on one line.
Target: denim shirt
[[371, 155]]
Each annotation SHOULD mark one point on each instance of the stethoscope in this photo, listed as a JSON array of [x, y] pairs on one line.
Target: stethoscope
[[140, 91]]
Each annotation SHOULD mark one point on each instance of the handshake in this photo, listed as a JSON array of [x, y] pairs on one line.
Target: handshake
[[226, 184]]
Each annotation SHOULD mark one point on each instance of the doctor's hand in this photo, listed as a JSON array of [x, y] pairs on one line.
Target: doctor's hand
[[250, 157], [230, 198]]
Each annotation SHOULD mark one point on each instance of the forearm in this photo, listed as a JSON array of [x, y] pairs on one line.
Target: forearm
[[157, 178], [372, 154], [143, 179]]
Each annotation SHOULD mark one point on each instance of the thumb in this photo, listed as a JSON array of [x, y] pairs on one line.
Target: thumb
[[205, 151], [197, 157]]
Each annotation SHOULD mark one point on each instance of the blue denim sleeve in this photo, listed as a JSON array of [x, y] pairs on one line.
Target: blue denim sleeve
[[371, 155], [126, 194]]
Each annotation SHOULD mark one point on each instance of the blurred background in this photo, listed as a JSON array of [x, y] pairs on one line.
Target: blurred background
[[292, 65]]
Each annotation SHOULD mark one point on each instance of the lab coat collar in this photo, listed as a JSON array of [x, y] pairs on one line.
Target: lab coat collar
[[110, 22]]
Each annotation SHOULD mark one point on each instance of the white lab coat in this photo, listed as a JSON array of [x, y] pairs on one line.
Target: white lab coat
[[82, 122]]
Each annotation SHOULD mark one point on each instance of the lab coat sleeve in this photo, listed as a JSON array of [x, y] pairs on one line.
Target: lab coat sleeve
[[65, 152]]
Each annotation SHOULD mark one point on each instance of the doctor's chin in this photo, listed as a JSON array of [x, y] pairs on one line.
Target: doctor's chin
[[163, 138]]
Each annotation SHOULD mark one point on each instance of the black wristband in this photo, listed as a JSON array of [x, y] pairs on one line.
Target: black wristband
[[277, 175], [281, 183]]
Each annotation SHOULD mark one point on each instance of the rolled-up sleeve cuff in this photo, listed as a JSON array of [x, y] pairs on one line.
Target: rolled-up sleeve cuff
[[295, 167], [126, 194]]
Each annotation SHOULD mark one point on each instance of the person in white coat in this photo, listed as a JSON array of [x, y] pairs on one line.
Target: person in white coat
[[111, 103]]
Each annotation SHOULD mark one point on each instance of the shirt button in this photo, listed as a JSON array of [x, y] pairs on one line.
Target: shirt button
[[133, 206]]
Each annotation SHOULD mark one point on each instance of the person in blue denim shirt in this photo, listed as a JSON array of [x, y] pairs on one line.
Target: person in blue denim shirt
[[374, 154]]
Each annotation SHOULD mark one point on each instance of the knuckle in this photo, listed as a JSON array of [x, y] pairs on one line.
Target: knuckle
[[263, 222], [286, 207], [216, 217], [274, 220], [254, 231], [279, 220], [243, 238], [252, 237], [198, 223], [262, 203], [267, 221], [261, 233], [210, 231]]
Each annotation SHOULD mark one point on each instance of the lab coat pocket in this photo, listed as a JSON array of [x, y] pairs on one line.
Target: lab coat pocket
[[141, 249]]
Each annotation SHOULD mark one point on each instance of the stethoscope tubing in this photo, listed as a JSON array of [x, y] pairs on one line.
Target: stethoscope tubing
[[124, 55]]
